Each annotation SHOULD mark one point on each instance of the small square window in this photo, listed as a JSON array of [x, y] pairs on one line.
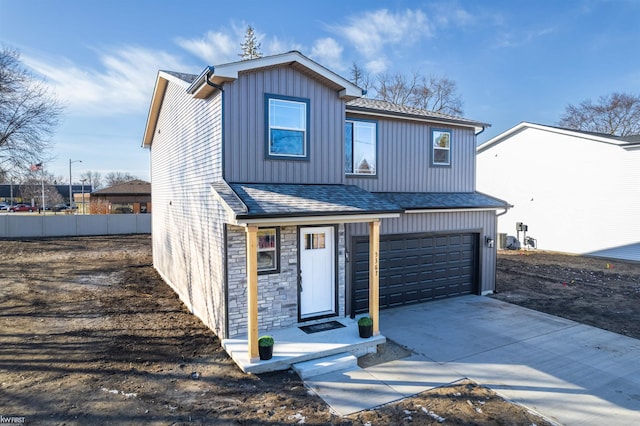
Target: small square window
[[314, 241], [287, 125], [441, 145], [268, 249]]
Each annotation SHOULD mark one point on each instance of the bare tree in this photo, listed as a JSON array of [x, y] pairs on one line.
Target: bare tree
[[615, 114], [432, 93], [251, 46], [94, 179], [115, 178], [31, 189], [438, 94], [396, 88], [29, 114]]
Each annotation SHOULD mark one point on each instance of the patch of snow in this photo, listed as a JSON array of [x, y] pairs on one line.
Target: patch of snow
[[433, 415]]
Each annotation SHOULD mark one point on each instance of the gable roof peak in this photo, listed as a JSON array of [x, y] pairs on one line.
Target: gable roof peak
[[620, 141], [205, 84]]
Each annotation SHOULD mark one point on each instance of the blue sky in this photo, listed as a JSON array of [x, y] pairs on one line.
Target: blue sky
[[513, 60]]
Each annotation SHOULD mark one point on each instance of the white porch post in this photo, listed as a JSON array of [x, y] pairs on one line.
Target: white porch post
[[252, 293], [374, 274]]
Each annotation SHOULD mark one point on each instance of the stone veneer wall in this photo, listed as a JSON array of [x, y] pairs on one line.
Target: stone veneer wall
[[277, 292]]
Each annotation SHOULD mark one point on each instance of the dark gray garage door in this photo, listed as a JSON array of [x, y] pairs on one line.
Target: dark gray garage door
[[416, 268]]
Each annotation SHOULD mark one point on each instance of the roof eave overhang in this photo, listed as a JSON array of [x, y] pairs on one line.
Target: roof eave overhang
[[229, 72], [208, 82], [312, 219], [477, 126], [154, 110], [456, 209], [527, 125]]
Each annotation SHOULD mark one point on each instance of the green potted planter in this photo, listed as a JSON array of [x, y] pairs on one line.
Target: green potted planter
[[365, 327], [265, 347]]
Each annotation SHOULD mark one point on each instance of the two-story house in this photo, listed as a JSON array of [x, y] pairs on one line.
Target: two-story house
[[283, 197]]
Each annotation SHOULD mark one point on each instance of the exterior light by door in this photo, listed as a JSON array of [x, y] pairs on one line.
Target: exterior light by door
[[489, 242]]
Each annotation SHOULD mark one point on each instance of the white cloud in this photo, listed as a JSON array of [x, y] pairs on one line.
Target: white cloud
[[215, 47], [328, 52], [371, 32], [449, 14], [517, 38], [374, 33], [275, 46], [122, 85], [224, 46], [376, 66]]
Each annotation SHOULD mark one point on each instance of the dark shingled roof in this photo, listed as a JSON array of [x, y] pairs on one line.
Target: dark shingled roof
[[225, 192], [188, 78], [133, 187], [375, 105], [442, 200], [281, 200]]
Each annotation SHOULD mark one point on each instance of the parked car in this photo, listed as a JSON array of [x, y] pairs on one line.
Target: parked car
[[59, 207], [22, 208], [4, 206]]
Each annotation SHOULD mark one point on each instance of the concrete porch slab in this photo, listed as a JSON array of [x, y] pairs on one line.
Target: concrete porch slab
[[293, 345]]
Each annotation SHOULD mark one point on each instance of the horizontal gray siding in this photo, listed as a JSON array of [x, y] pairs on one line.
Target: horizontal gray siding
[[187, 232], [245, 129], [404, 157], [482, 222]]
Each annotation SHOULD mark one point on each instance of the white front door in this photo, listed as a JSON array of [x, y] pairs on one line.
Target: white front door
[[317, 272]]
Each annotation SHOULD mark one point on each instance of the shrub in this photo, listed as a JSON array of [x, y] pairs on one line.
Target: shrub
[[365, 321], [265, 341]]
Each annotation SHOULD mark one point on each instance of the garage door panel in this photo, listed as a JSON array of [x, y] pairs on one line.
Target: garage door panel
[[416, 268]]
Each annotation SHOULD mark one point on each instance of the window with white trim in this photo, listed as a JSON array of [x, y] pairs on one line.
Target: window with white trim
[[287, 127], [360, 147], [441, 147]]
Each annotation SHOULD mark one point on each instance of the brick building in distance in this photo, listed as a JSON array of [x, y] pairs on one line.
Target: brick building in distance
[[128, 197]]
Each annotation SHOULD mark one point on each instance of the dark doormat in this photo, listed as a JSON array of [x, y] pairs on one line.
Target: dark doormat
[[331, 325]]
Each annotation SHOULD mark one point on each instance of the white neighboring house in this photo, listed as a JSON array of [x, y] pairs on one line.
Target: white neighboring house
[[578, 192]]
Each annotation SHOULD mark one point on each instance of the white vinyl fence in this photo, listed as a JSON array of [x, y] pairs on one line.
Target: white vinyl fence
[[13, 225]]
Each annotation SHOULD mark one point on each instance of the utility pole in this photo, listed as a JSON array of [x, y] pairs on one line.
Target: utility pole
[[70, 185]]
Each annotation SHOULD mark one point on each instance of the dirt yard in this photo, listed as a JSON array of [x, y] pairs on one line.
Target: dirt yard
[[600, 292], [89, 334]]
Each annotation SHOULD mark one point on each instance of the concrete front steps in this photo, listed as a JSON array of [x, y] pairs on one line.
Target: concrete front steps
[[330, 364], [293, 346]]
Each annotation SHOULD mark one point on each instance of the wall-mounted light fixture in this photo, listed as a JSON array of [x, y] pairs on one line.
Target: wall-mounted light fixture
[[488, 241]]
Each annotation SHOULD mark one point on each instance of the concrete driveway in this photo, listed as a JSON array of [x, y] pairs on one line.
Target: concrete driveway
[[571, 373]]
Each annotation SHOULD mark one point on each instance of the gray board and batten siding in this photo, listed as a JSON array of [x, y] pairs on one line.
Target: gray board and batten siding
[[404, 157], [245, 159]]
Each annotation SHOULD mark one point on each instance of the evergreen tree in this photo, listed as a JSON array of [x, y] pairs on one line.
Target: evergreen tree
[[251, 46]]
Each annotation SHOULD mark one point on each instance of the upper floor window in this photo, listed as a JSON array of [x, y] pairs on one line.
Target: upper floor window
[[287, 127], [441, 146], [360, 149]]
